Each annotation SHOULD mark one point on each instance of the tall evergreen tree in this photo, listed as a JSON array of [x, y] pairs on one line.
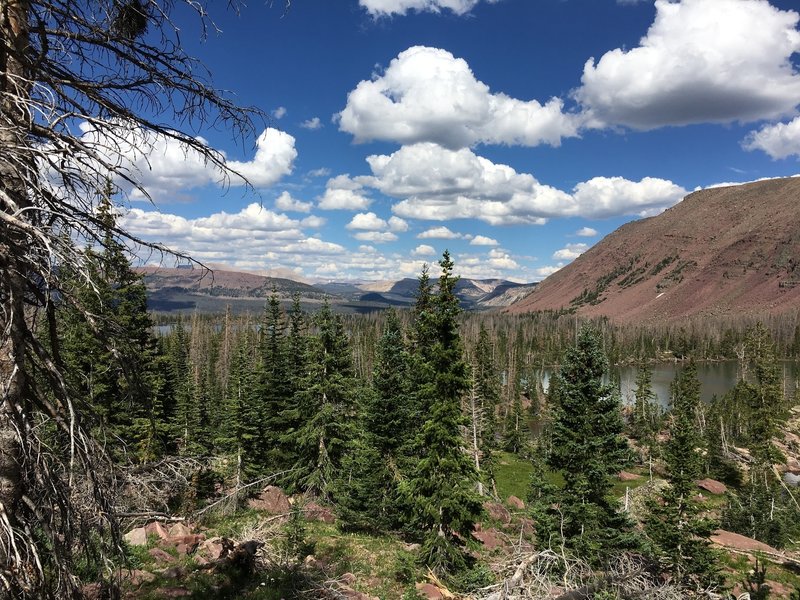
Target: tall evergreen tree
[[588, 449], [326, 406], [108, 349], [368, 498], [679, 533], [275, 386], [441, 487]]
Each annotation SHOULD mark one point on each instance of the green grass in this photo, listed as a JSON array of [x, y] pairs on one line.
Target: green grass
[[512, 475]]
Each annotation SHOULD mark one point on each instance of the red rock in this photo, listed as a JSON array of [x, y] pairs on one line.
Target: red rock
[[187, 544], [179, 530], [712, 486], [211, 548], [93, 591], [488, 537], [728, 539], [497, 512], [160, 555], [515, 502], [136, 537], [317, 512], [625, 476], [138, 577], [271, 500], [429, 591], [157, 529]]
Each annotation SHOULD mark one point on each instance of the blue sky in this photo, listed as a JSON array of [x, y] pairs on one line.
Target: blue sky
[[516, 133]]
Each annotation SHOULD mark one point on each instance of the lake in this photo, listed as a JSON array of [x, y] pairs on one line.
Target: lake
[[716, 378]]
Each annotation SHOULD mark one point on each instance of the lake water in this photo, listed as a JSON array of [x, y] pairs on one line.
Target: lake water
[[716, 378]]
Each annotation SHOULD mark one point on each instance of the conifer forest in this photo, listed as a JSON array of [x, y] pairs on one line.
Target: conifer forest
[[300, 452]]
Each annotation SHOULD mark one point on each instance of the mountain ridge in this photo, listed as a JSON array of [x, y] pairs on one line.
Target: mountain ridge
[[721, 251]]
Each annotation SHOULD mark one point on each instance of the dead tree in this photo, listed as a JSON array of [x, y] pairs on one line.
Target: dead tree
[[79, 81]]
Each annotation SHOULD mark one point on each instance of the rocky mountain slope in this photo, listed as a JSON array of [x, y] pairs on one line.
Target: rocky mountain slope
[[721, 251]]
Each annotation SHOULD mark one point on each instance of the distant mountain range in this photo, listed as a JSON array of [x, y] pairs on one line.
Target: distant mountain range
[[187, 289], [722, 251]]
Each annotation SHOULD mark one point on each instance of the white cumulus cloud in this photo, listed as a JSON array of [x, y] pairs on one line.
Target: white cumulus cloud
[[439, 233], [423, 250], [427, 94], [313, 123], [286, 202], [482, 240], [780, 140], [385, 8], [376, 237], [368, 222], [700, 61], [167, 168], [343, 193], [275, 154], [437, 184], [586, 232], [570, 252]]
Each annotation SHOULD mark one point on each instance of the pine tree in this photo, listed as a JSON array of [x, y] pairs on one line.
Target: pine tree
[[108, 349], [441, 488], [275, 386], [326, 406], [588, 449], [674, 525], [368, 491]]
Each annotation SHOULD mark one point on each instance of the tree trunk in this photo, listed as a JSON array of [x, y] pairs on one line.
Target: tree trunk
[[13, 329]]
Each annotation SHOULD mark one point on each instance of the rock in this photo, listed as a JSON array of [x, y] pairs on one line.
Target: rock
[[348, 579], [625, 476], [791, 479], [187, 544], [157, 529], [429, 591], [179, 530], [498, 512], [528, 527], [136, 537], [411, 547], [271, 500], [735, 541], [488, 537], [211, 549], [176, 572], [712, 486], [348, 593], [317, 512], [160, 555], [515, 502], [138, 577], [312, 562]]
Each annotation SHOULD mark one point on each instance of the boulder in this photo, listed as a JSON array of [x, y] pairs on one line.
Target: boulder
[[271, 500], [429, 591], [515, 502], [488, 537], [157, 529], [179, 530], [712, 486], [136, 537], [735, 541], [174, 592], [792, 479], [187, 544], [497, 512], [160, 555], [138, 577], [211, 549], [317, 512], [625, 476]]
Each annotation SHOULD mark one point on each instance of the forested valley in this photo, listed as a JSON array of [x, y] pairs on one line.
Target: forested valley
[[405, 454]]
